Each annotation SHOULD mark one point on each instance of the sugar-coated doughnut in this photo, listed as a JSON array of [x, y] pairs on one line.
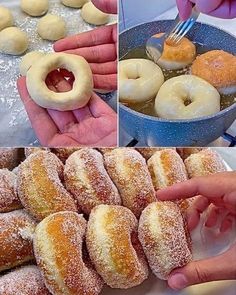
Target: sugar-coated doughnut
[[34, 8], [64, 153], [28, 60], [186, 97], [92, 15], [88, 181], [58, 248], [40, 188], [51, 27], [174, 56], [6, 18], [13, 41], [128, 170], [77, 97], [31, 150], [9, 158], [114, 248], [166, 168], [162, 233], [204, 163], [218, 68], [16, 238], [74, 3], [139, 80], [186, 152], [147, 152], [9, 200], [26, 280]]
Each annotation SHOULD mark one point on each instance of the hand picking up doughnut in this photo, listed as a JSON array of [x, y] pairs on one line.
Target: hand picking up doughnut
[[164, 238], [40, 188], [114, 248], [58, 248], [88, 181]]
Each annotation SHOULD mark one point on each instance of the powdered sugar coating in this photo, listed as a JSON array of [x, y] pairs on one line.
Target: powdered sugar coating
[[26, 280], [64, 153], [88, 181], [128, 170], [31, 150], [114, 247], [148, 152], [163, 237], [8, 158]]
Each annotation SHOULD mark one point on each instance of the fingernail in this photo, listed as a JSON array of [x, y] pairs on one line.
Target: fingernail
[[178, 281]]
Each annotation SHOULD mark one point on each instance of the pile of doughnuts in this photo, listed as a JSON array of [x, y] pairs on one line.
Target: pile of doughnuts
[[71, 228]]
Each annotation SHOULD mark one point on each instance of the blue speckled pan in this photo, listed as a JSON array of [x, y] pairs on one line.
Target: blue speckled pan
[[160, 132]]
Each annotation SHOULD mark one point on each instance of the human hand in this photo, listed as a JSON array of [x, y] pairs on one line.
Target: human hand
[[92, 125], [107, 6], [99, 48], [218, 8]]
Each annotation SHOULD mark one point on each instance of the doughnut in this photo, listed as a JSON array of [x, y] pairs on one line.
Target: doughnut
[[204, 163], [28, 60], [148, 152], [174, 57], [78, 97], [186, 152], [34, 8], [128, 170], [92, 15], [51, 27], [114, 247], [139, 80], [40, 188], [166, 168], [9, 200], [16, 238], [105, 150], [58, 248], [26, 280], [13, 41], [186, 97], [6, 18], [218, 68], [31, 150], [164, 238], [64, 153], [74, 3], [88, 181], [9, 158]]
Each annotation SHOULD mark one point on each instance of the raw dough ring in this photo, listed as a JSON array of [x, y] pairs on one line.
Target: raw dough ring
[[76, 98]]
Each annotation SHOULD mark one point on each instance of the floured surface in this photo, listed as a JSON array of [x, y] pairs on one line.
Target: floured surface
[[15, 128]]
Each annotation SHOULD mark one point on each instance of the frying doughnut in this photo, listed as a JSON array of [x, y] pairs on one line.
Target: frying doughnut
[[17, 229], [64, 153], [39, 185], [58, 243], [218, 68], [94, 16], [87, 180], [186, 97], [139, 79], [128, 170], [76, 98], [174, 57], [164, 238], [8, 158], [204, 163], [26, 280], [114, 248], [9, 200], [148, 152]]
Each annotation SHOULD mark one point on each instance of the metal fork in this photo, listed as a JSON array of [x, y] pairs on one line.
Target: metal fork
[[175, 33]]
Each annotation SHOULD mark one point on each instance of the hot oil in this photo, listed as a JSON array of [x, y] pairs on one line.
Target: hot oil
[[147, 108]]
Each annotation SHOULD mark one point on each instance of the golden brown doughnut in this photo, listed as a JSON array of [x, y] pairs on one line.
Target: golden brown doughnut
[[88, 181], [8, 158], [114, 248], [204, 163], [9, 200], [147, 152], [26, 280], [64, 153], [162, 233], [39, 185], [58, 243], [16, 235], [30, 150], [186, 152], [128, 170], [218, 68]]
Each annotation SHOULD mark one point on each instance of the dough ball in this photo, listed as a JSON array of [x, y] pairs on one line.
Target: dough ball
[[52, 27], [34, 8], [94, 16], [28, 60], [13, 41], [74, 3], [6, 18]]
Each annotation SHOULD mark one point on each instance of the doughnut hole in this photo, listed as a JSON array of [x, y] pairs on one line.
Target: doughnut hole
[[62, 80]]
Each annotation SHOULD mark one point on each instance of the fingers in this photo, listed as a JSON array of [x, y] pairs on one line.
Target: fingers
[[57, 80], [82, 114], [102, 35], [227, 223], [185, 8], [107, 82], [108, 6], [41, 122], [195, 211], [208, 6], [212, 269], [104, 68], [226, 10], [99, 108]]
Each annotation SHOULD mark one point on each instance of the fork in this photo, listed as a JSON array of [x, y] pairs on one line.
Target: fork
[[155, 46]]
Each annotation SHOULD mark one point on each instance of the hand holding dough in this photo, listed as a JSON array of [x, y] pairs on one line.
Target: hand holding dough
[[34, 8], [13, 41], [94, 16], [6, 18], [52, 27], [74, 3]]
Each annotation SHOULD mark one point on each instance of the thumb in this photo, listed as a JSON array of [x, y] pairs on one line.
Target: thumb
[[217, 268]]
